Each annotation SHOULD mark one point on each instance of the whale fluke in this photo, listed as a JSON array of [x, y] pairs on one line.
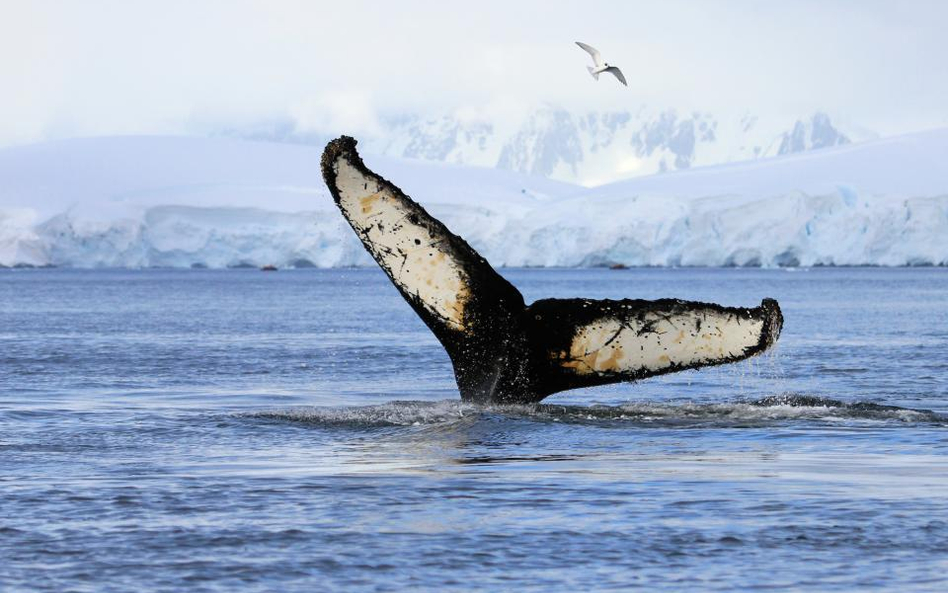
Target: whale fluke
[[505, 351]]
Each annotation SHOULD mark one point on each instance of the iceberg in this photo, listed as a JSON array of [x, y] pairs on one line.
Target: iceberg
[[141, 201]]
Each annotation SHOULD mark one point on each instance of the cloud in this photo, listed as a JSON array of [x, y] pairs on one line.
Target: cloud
[[352, 111]]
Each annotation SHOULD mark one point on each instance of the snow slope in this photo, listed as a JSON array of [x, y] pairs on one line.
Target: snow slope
[[171, 201], [883, 202], [177, 201]]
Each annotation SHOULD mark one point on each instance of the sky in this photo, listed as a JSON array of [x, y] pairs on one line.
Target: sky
[[181, 67]]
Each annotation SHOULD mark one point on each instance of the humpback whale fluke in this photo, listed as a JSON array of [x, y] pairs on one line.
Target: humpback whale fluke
[[505, 351]]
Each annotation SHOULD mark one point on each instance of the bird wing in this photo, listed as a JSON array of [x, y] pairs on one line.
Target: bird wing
[[618, 74], [597, 59], [452, 288], [594, 342]]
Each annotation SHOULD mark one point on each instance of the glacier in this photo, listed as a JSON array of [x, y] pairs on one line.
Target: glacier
[[142, 201]]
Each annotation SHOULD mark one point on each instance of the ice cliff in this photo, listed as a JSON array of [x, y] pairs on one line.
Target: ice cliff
[[176, 201]]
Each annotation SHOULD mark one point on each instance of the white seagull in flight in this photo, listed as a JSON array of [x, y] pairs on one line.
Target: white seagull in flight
[[599, 66]]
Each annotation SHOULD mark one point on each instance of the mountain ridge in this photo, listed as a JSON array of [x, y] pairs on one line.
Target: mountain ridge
[[586, 148]]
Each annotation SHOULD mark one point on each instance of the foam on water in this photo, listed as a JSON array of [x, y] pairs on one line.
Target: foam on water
[[397, 413], [777, 409]]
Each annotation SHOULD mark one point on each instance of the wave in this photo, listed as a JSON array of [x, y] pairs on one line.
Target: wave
[[770, 410]]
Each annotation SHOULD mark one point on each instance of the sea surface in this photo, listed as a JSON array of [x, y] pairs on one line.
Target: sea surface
[[234, 430]]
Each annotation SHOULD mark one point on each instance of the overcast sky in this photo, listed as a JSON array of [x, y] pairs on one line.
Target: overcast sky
[[99, 67]]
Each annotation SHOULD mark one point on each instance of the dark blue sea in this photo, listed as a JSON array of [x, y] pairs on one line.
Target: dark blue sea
[[234, 430]]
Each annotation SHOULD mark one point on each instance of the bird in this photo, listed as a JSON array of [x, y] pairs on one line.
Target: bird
[[599, 66]]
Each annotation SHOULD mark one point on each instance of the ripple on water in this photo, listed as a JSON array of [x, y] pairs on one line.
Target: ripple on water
[[781, 408], [213, 431]]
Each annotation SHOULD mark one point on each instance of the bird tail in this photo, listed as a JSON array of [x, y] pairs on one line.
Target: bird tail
[[593, 72]]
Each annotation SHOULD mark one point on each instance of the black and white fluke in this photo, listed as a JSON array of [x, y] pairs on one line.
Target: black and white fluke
[[506, 351]]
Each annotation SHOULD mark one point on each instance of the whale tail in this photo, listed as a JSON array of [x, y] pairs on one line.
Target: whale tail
[[505, 351], [593, 72]]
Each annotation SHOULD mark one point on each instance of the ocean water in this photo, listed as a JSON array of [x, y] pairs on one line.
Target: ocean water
[[201, 430]]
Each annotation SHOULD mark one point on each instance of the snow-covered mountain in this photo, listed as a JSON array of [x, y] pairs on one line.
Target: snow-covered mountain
[[173, 201], [588, 148]]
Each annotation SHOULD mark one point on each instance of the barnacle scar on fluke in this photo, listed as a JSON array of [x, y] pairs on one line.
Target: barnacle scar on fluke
[[505, 351]]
